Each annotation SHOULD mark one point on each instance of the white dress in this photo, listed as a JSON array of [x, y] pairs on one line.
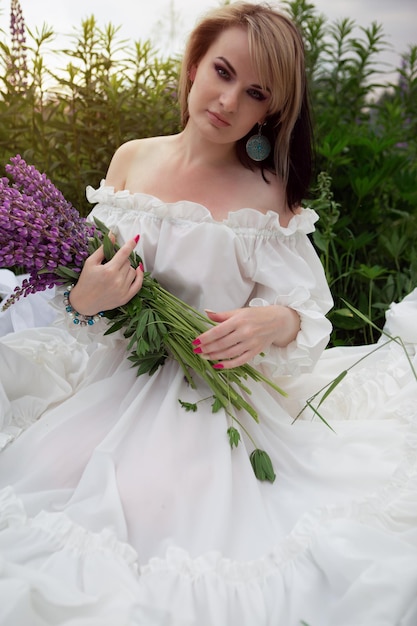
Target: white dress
[[118, 507]]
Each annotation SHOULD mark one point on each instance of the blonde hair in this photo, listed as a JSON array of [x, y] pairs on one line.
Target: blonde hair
[[277, 51]]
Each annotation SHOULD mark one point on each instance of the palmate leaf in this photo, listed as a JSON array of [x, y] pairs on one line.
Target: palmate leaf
[[134, 307], [143, 348], [234, 436], [130, 326], [152, 331], [147, 364], [141, 324]]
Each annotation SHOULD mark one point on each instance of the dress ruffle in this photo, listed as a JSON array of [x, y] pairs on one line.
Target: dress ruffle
[[301, 354], [347, 555], [245, 219]]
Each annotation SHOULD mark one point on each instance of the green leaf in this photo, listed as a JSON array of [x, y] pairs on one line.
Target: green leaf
[[94, 244], [64, 272], [101, 226], [141, 324], [319, 415], [147, 364], [216, 405], [188, 406], [115, 327], [234, 436], [361, 315], [162, 329], [108, 248], [334, 384], [262, 465], [142, 347], [134, 306], [372, 272], [344, 318]]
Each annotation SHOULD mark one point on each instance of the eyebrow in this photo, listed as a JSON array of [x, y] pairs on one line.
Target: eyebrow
[[233, 71]]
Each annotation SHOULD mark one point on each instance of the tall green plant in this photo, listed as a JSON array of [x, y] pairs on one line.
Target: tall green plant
[[68, 122], [366, 175]]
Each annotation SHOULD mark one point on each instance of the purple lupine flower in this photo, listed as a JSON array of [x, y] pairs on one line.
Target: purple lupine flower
[[40, 231], [18, 62]]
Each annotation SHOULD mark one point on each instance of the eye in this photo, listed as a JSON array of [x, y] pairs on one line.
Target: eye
[[221, 71], [256, 94]]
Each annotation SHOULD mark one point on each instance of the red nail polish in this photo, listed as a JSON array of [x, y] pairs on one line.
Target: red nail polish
[[218, 366], [137, 238], [197, 350], [141, 267], [196, 342]]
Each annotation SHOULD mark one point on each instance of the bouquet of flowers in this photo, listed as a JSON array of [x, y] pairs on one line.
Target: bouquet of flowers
[[45, 236]]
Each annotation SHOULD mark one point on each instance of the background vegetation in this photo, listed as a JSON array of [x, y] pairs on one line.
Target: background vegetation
[[68, 122]]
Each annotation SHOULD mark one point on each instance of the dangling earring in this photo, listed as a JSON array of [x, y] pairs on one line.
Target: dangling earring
[[258, 146]]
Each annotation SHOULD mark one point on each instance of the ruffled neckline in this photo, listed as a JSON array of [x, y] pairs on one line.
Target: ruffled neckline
[[246, 217]]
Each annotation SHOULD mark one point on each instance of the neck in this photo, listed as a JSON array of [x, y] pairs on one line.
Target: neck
[[194, 150]]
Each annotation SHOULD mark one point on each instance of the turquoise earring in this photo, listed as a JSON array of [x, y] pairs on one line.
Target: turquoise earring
[[258, 146]]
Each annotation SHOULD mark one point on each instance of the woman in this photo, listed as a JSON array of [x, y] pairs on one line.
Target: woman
[[118, 506]]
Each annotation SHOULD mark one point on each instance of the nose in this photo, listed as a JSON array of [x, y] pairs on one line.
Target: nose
[[229, 99]]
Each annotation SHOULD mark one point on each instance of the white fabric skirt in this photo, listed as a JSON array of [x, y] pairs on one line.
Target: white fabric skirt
[[117, 507]]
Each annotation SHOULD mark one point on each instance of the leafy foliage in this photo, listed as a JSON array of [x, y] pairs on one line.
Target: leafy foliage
[[366, 172], [69, 122]]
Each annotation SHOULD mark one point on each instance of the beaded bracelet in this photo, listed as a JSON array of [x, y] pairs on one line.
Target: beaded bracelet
[[79, 318]]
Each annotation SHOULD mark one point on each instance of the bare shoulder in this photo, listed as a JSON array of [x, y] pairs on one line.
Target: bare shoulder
[[134, 155], [272, 197]]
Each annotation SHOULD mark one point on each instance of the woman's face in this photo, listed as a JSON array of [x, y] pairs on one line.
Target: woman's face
[[226, 99]]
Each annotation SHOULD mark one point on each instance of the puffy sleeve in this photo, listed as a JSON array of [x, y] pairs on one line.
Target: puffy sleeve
[[287, 271]]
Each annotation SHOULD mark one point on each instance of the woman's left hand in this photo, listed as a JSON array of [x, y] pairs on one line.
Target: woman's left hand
[[241, 334]]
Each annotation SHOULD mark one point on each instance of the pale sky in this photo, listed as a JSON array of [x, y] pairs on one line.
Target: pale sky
[[151, 19]]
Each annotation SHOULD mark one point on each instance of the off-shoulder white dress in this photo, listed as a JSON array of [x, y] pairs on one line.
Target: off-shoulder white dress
[[118, 507]]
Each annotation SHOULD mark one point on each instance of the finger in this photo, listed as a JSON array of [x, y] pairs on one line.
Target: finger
[[220, 338], [132, 288], [97, 257], [124, 252], [219, 331], [129, 274], [220, 354], [228, 364], [136, 284], [218, 317]]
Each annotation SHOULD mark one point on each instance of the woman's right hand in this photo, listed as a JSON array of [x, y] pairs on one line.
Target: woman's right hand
[[102, 287]]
